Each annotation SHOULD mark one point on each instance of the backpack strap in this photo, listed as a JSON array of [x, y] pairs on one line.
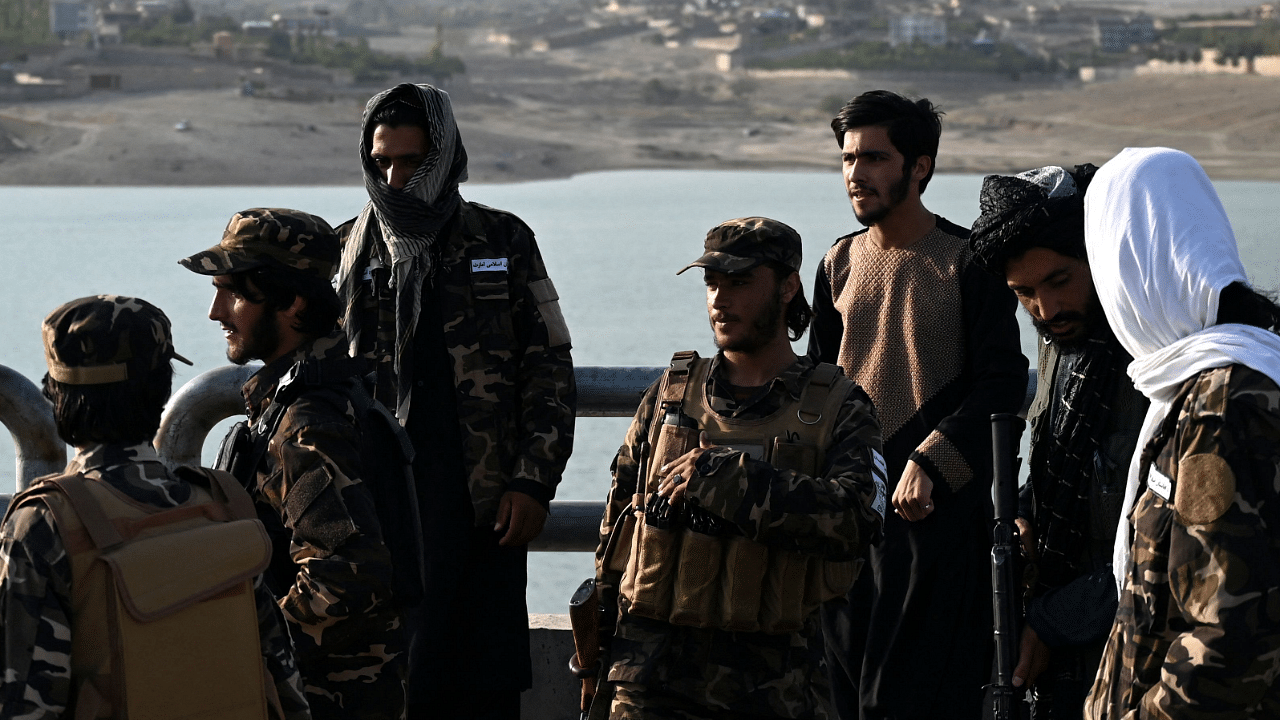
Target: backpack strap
[[102, 532], [363, 402], [226, 489]]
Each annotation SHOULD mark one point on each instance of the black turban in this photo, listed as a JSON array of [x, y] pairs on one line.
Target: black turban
[[1041, 208]]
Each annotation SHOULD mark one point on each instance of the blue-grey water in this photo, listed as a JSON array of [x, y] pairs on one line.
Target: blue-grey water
[[612, 242]]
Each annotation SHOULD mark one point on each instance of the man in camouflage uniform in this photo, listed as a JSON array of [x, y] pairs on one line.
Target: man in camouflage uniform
[[658, 669], [332, 572], [109, 376], [452, 303], [1084, 426], [1197, 556]]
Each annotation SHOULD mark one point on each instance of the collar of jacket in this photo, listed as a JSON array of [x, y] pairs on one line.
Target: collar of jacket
[[261, 388]]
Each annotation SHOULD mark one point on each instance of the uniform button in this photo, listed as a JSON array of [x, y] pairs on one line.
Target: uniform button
[[419, 383]]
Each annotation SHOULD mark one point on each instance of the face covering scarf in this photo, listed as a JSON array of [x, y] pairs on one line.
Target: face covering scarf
[[1161, 250], [400, 228]]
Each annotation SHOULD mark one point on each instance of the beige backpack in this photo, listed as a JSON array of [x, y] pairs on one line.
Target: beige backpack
[[164, 623]]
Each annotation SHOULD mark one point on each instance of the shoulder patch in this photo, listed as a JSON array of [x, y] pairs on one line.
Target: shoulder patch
[[1210, 393], [1206, 488], [548, 300]]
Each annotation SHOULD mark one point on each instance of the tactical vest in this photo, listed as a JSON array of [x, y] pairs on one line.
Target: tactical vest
[[163, 619], [686, 576]]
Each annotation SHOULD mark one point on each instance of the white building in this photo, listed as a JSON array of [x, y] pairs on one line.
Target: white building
[[928, 29]]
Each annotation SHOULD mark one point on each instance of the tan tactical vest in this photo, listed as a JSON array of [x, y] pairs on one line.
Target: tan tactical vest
[[164, 623], [731, 583]]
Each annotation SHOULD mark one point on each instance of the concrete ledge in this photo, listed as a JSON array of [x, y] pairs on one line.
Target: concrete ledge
[[555, 694]]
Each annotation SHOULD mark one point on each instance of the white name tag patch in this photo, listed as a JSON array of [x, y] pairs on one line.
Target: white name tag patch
[[489, 265], [1159, 483]]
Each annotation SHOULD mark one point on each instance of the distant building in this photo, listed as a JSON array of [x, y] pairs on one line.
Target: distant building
[[1118, 34], [111, 23], [305, 25], [775, 20], [928, 29], [587, 36], [70, 18], [260, 28], [154, 9], [729, 61]]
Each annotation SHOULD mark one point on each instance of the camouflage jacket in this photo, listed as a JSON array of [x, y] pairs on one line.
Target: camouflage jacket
[[348, 634], [509, 346], [1197, 634], [832, 516], [35, 591]]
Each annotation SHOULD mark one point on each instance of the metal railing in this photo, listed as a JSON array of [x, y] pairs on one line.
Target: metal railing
[[213, 396], [29, 417]]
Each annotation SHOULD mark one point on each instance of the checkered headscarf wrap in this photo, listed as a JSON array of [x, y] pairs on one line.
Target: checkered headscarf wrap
[[400, 228]]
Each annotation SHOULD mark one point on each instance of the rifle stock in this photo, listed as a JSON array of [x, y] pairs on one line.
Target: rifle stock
[[1004, 564]]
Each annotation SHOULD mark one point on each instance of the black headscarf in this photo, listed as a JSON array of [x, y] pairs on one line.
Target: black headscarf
[[1045, 208], [1038, 208]]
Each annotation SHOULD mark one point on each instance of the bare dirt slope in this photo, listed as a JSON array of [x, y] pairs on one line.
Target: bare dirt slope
[[623, 104]]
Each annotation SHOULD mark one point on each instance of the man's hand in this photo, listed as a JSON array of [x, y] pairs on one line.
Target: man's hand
[[1028, 537], [677, 472], [521, 516], [1033, 658], [913, 498]]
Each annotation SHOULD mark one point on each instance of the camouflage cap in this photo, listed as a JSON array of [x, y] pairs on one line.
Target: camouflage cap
[[738, 245], [95, 340], [271, 237]]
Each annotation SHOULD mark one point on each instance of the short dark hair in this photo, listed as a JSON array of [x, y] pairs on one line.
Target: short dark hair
[[125, 412], [277, 289], [798, 313], [1239, 303], [396, 113], [914, 125]]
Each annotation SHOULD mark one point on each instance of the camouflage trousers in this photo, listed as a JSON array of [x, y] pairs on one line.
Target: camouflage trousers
[[633, 701], [365, 686]]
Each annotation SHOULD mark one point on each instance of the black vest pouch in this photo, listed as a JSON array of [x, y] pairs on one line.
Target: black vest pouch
[[236, 454]]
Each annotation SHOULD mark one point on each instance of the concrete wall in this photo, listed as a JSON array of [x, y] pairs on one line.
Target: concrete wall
[[556, 694]]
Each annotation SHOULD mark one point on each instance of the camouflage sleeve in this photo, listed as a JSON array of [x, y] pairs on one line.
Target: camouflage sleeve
[[545, 388], [1223, 551], [625, 469], [835, 515], [35, 616], [288, 701], [340, 603]]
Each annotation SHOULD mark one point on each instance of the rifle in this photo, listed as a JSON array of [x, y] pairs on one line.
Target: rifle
[[584, 616], [1005, 556], [593, 614]]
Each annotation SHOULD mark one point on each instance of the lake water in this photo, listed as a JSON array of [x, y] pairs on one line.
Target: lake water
[[612, 242]]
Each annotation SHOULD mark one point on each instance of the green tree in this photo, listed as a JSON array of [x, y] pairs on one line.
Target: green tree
[[24, 21]]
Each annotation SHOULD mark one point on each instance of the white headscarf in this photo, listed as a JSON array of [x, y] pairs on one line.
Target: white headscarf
[[1161, 250]]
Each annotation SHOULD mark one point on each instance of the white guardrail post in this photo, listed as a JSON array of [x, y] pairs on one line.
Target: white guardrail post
[[29, 417]]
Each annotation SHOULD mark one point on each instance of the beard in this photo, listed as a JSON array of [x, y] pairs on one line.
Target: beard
[[258, 341], [1090, 321], [761, 331], [897, 193]]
